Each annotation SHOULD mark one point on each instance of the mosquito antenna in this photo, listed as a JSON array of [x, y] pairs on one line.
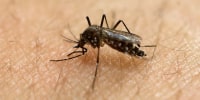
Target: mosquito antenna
[[71, 41], [68, 26], [68, 40]]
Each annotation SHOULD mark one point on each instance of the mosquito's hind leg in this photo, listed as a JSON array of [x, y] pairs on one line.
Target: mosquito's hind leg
[[102, 20], [121, 21]]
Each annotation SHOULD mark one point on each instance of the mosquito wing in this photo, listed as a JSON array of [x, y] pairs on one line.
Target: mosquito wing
[[121, 36]]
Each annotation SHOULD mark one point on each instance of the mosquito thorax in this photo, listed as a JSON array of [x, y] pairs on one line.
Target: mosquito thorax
[[92, 36]]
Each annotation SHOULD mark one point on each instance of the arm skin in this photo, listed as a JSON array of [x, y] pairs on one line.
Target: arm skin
[[30, 37]]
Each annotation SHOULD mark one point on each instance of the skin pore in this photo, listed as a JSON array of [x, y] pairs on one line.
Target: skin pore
[[30, 36]]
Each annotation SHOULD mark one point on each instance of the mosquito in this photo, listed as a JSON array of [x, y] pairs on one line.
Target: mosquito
[[97, 36]]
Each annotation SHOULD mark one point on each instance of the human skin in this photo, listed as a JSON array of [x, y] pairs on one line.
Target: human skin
[[30, 36]]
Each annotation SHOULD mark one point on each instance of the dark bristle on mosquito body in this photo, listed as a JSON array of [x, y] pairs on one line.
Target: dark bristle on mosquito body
[[97, 35]]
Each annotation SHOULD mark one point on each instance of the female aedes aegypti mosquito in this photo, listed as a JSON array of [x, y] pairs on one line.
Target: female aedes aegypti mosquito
[[96, 36]]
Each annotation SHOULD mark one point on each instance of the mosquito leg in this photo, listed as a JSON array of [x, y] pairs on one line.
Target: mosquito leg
[[67, 58], [102, 20], [88, 20], [84, 50], [121, 21], [74, 52], [148, 46], [96, 70]]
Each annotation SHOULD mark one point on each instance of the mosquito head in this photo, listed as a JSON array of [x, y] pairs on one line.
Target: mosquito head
[[80, 44]]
